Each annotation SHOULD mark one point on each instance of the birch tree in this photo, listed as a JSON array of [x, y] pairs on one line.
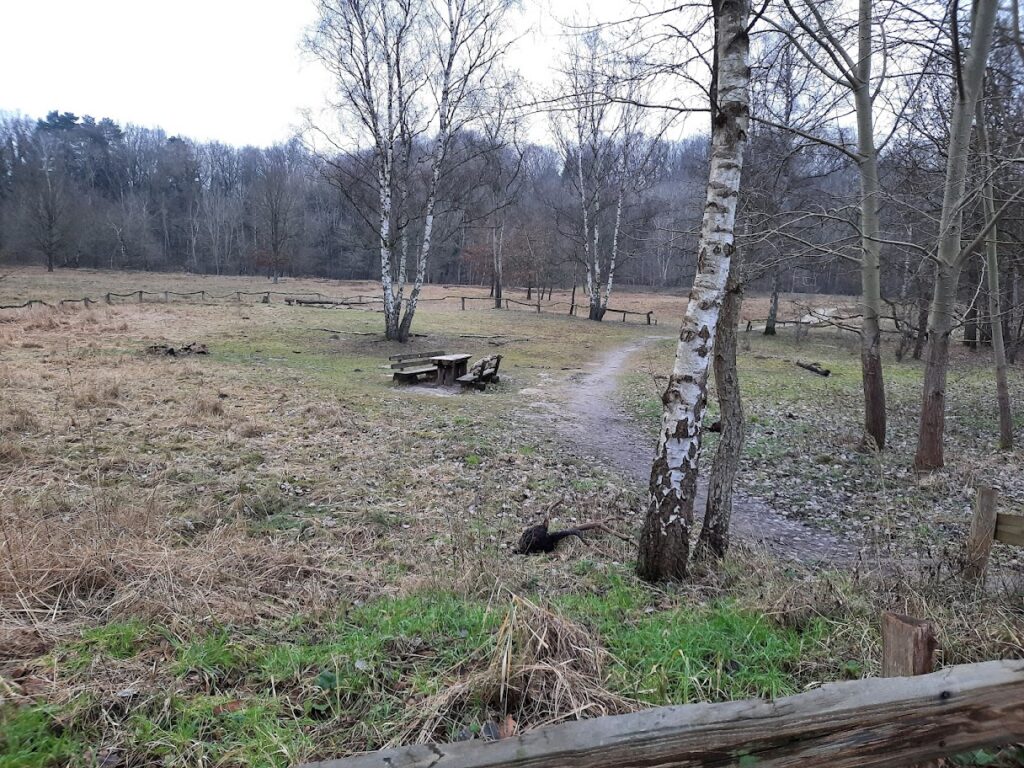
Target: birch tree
[[405, 69], [665, 538], [601, 129]]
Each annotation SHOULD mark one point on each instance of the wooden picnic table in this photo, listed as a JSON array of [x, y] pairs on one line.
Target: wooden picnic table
[[449, 368]]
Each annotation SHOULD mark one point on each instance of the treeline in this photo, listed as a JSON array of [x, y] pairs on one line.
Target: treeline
[[81, 192]]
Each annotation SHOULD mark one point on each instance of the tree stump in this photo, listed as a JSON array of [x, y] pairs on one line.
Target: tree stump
[[908, 645]]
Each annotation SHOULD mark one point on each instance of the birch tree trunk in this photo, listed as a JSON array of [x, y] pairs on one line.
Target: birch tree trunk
[[665, 538], [391, 310], [951, 255], [713, 541]]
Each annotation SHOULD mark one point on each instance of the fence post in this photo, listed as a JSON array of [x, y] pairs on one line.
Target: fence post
[[238, 296], [908, 645], [463, 303], [648, 318], [108, 298], [538, 305], [983, 532], [166, 297], [506, 303], [140, 297]]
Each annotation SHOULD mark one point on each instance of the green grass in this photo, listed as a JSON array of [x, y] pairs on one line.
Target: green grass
[[711, 652], [368, 666], [29, 738], [222, 730], [117, 640], [214, 656]]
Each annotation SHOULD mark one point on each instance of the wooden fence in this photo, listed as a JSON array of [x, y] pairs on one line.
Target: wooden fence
[[987, 527], [894, 721], [312, 298]]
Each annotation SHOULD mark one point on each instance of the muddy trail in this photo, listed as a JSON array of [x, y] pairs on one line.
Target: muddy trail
[[588, 417]]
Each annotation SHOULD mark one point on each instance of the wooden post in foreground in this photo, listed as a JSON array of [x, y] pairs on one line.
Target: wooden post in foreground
[[908, 645], [871, 723], [983, 531]]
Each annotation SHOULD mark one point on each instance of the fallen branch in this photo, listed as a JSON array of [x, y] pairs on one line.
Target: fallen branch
[[348, 333], [815, 368]]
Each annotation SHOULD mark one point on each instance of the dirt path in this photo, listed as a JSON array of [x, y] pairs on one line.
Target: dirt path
[[587, 415]]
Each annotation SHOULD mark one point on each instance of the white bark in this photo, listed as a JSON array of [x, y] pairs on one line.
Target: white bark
[[664, 544]]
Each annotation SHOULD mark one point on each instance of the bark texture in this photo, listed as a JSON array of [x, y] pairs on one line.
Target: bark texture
[[665, 538], [773, 308], [871, 246], [713, 541]]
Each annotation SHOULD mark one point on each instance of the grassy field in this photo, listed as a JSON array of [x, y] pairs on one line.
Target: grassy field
[[271, 554]]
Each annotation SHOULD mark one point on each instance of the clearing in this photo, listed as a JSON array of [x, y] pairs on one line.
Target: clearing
[[270, 554]]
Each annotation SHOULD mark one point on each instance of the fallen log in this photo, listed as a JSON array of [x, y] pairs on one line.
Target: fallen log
[[815, 368]]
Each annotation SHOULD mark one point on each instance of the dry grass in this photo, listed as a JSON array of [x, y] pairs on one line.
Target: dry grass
[[34, 282], [271, 489], [18, 419], [545, 669]]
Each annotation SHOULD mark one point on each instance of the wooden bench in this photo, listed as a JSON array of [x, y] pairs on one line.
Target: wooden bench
[[483, 372], [411, 367]]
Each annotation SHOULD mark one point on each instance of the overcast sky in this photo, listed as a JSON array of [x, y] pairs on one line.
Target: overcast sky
[[229, 70]]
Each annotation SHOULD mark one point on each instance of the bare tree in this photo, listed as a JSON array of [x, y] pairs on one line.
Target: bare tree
[[665, 538], [47, 209], [817, 31], [604, 135], [402, 69], [503, 158], [994, 292], [277, 202], [951, 253]]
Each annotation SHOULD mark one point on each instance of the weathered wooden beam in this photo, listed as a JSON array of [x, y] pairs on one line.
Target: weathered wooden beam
[[1010, 529], [908, 645], [983, 531], [858, 724], [413, 355]]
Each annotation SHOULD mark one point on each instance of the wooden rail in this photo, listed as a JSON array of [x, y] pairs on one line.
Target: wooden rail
[[317, 299], [857, 724]]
